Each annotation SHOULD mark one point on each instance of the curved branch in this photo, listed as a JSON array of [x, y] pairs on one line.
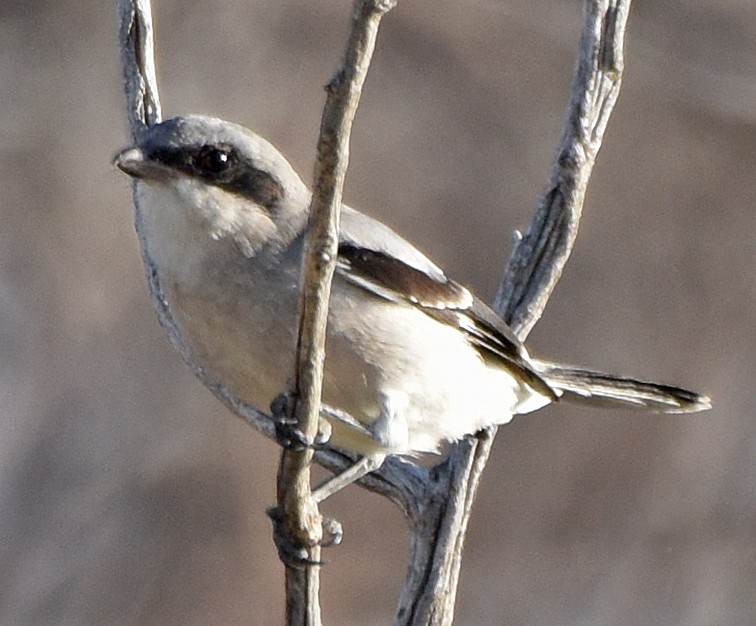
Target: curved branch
[[135, 38]]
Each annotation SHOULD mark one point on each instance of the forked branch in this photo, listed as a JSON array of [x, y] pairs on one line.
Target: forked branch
[[535, 266], [437, 503]]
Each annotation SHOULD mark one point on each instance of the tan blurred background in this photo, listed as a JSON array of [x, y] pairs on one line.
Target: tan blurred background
[[129, 495]]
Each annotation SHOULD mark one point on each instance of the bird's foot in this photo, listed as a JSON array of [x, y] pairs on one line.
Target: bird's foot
[[291, 552], [288, 433]]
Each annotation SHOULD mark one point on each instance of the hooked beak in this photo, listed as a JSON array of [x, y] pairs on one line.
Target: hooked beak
[[136, 163]]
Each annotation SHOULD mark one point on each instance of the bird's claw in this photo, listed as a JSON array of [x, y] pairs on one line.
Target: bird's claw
[[333, 532], [296, 555], [288, 433]]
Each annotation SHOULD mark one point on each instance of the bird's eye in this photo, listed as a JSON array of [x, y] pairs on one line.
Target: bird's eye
[[213, 160]]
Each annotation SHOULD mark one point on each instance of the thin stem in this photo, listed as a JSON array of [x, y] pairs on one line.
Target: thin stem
[[303, 523]]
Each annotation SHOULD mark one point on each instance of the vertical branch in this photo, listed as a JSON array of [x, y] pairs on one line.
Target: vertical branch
[[300, 513], [533, 270]]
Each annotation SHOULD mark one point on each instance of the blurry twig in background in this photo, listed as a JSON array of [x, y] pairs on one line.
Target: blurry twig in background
[[437, 503]]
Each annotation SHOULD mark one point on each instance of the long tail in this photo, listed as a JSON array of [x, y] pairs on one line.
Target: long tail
[[599, 389]]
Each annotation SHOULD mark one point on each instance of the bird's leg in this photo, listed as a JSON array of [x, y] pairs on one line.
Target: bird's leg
[[288, 435], [352, 474]]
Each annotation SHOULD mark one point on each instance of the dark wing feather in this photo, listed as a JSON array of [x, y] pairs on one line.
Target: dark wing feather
[[445, 301]]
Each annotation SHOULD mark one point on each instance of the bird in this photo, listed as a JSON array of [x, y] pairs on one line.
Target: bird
[[413, 358]]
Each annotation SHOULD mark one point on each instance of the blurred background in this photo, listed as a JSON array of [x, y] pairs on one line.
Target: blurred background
[[129, 495]]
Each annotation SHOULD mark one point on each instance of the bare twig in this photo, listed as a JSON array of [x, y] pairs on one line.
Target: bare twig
[[540, 256], [535, 266], [300, 512], [138, 63]]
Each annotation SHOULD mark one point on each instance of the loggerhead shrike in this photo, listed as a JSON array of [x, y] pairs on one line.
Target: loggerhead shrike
[[412, 357]]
